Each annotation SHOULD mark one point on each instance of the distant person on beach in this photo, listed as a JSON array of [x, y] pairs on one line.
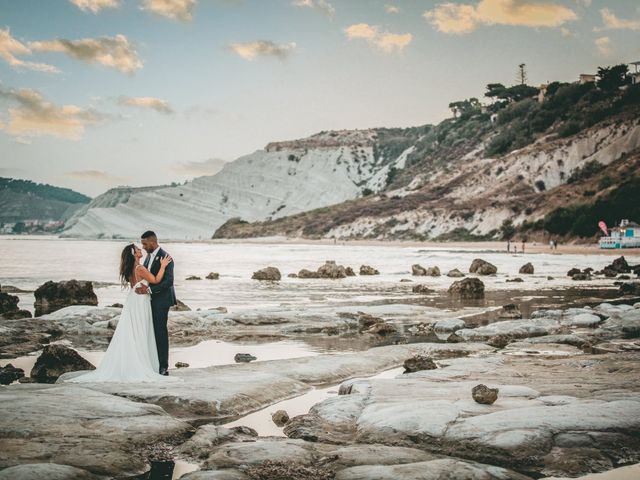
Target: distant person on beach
[[508, 246], [515, 249], [523, 242], [551, 244]]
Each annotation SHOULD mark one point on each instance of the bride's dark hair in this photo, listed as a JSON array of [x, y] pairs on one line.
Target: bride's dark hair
[[127, 264]]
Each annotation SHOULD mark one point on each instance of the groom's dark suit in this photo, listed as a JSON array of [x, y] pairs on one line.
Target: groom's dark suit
[[163, 297]]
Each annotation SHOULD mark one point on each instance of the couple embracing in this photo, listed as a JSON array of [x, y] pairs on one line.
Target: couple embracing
[[139, 349]]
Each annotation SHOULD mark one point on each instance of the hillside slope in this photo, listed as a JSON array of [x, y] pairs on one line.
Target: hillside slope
[[22, 200]]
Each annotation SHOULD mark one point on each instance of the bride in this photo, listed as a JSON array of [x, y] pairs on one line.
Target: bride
[[132, 355]]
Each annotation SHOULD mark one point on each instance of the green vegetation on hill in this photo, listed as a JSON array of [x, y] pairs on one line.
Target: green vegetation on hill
[[45, 191]]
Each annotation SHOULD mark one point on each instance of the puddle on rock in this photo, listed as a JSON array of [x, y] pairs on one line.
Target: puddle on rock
[[261, 421]]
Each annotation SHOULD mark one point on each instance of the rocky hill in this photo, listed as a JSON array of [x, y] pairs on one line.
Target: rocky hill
[[520, 167], [284, 179], [22, 200]]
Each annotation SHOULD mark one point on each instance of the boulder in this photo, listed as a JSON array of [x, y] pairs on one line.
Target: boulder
[[8, 303], [280, 418], [581, 276], [269, 274], [9, 374], [56, 360], [182, 365], [418, 270], [499, 341], [422, 289], [331, 270], [455, 338], [629, 288], [53, 296], [527, 269], [468, 288], [244, 358], [482, 267], [193, 277], [382, 328], [46, 471], [515, 280], [449, 325], [213, 276], [432, 272], [455, 273], [292, 275], [619, 265], [419, 362], [509, 312], [367, 270], [117, 305], [349, 271], [304, 273], [573, 271], [180, 307], [485, 395]]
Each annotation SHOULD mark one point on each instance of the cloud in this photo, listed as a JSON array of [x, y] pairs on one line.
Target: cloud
[[198, 169], [263, 48], [584, 3], [385, 41], [321, 6], [157, 104], [566, 32], [604, 46], [180, 10], [115, 52], [23, 141], [464, 18], [391, 9], [611, 22], [98, 176], [94, 6], [34, 116], [11, 49]]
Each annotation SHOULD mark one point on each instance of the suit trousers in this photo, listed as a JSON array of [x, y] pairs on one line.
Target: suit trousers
[[160, 315]]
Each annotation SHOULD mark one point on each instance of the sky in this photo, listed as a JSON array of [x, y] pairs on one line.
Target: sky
[[100, 93]]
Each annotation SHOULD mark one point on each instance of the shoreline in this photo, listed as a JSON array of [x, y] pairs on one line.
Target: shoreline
[[490, 246]]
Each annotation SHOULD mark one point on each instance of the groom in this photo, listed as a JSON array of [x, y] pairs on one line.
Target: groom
[[163, 296]]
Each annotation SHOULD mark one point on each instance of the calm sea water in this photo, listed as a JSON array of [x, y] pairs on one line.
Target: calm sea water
[[30, 261]]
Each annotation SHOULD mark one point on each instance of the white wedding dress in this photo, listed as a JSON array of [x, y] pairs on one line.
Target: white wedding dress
[[132, 355]]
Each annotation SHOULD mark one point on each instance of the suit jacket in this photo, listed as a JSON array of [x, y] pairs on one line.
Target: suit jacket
[[162, 294]]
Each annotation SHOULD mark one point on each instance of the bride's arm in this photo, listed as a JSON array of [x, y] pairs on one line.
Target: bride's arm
[[150, 277]]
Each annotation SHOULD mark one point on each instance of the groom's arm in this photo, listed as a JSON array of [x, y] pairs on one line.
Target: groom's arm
[[166, 281]]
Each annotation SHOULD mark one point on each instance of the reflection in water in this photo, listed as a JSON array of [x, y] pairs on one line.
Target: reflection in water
[[168, 470]]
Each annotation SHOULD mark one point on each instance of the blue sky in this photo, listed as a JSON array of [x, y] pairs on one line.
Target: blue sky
[[98, 93]]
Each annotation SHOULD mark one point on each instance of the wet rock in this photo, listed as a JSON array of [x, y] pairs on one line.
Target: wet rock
[[485, 395], [482, 267], [469, 288], [208, 436], [527, 268], [405, 280], [509, 311], [268, 274], [193, 277], [244, 358], [418, 270], [292, 275], [619, 265], [9, 307], [455, 273], [517, 280], [332, 270], [573, 271], [53, 296], [550, 278], [432, 272], [455, 338], [382, 328], [629, 288], [331, 330], [56, 360], [367, 270], [9, 374], [499, 341], [46, 471], [624, 277], [180, 307], [422, 289], [182, 365], [213, 276], [117, 305], [581, 276], [280, 418], [349, 271], [419, 362]]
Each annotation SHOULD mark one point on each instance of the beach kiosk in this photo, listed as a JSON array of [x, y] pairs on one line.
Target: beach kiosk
[[627, 235]]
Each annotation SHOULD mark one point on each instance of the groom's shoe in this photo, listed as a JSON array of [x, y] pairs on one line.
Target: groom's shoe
[[164, 371]]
